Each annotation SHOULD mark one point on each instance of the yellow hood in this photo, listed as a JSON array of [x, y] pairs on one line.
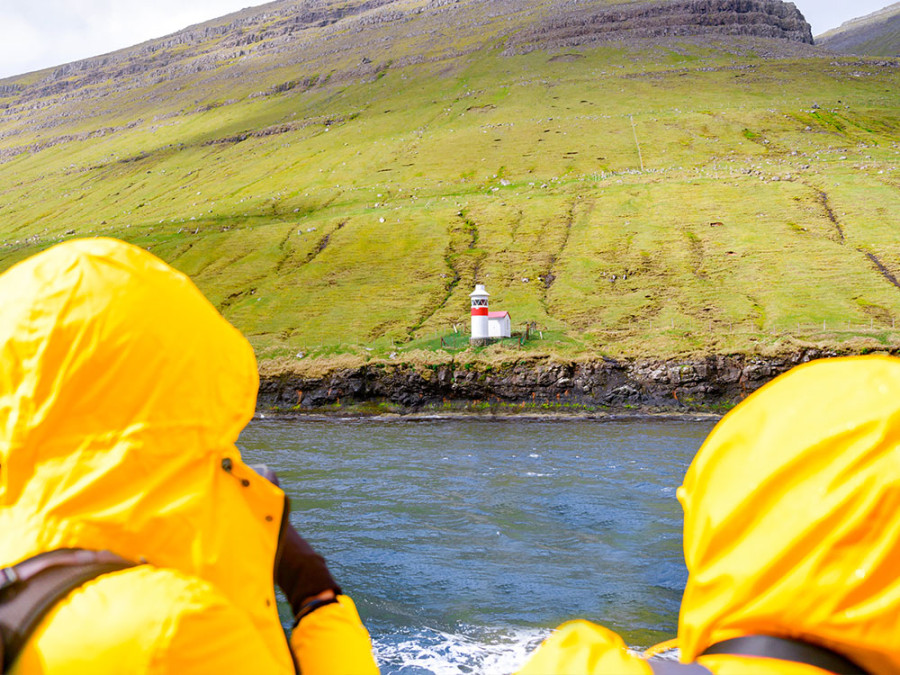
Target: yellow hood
[[791, 515], [122, 390]]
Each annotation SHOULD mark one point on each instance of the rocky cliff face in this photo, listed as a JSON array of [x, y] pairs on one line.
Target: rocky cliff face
[[707, 383], [672, 18]]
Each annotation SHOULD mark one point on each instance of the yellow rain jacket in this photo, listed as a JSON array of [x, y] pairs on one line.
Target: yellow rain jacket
[[122, 391], [791, 529]]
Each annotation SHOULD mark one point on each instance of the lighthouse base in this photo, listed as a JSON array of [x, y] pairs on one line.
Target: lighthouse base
[[481, 342]]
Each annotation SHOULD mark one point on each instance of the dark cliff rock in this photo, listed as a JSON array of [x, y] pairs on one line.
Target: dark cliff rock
[[709, 382], [672, 18]]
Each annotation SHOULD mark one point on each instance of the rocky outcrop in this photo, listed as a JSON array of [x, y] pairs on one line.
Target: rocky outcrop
[[712, 382], [672, 18]]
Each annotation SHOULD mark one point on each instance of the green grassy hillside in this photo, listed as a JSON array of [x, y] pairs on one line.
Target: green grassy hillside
[[645, 197]]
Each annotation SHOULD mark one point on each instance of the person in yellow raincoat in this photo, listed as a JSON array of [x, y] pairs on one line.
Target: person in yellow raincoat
[[122, 393], [791, 536]]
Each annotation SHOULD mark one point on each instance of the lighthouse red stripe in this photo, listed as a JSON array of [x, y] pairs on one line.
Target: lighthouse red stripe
[[479, 311]]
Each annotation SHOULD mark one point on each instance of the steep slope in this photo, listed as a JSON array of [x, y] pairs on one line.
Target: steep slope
[[341, 173], [877, 34]]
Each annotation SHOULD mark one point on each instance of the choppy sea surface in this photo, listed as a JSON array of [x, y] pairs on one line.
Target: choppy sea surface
[[465, 541]]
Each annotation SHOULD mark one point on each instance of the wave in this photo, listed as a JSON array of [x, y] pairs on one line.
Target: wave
[[428, 651]]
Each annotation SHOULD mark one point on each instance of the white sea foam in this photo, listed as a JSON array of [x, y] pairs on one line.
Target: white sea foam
[[425, 651]]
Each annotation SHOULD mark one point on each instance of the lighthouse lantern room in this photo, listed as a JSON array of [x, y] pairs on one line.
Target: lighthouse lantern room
[[480, 331]]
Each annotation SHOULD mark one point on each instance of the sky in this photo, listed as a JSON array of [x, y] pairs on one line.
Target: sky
[[36, 34]]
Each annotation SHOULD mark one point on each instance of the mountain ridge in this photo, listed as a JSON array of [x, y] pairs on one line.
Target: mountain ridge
[[243, 44], [275, 25], [876, 34]]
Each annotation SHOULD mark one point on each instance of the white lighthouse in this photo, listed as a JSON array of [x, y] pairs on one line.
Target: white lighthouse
[[480, 333]]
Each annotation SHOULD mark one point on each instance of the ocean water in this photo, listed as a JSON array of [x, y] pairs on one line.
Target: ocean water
[[465, 541]]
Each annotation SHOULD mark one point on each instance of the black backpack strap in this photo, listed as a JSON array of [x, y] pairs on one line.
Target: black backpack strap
[[787, 649], [30, 589], [766, 646]]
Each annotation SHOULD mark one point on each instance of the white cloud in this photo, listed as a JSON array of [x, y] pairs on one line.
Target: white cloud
[[20, 44]]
